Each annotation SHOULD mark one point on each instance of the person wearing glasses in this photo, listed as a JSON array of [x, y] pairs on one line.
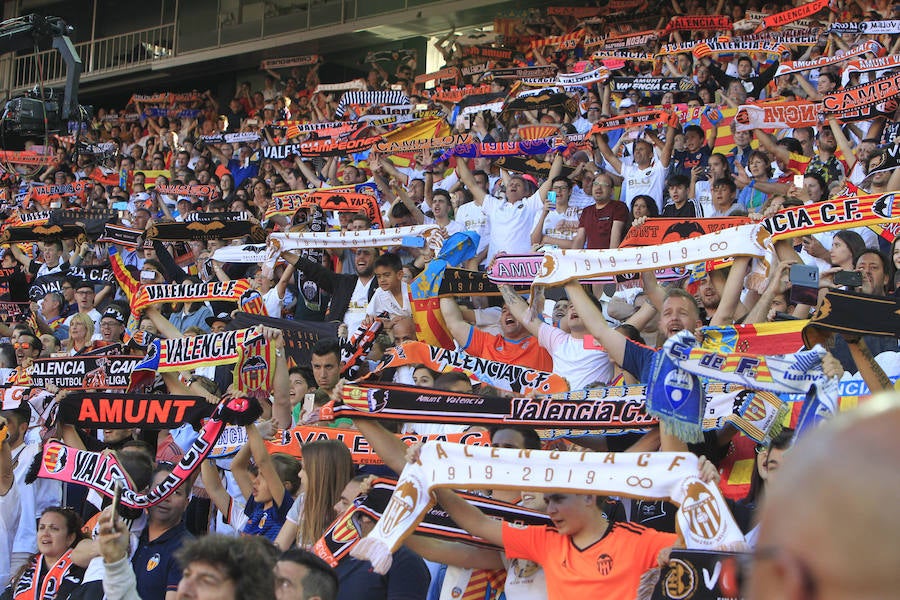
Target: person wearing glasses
[[557, 223], [85, 298], [28, 348]]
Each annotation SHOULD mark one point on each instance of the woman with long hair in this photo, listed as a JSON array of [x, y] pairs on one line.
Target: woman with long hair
[[81, 330], [846, 245], [327, 467], [50, 573], [760, 168]]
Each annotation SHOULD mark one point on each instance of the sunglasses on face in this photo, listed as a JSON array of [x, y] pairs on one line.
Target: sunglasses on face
[[22, 345]]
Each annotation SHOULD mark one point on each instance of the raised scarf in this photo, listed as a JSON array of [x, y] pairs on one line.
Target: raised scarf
[[866, 27], [792, 14], [291, 441], [31, 586], [341, 201], [565, 80], [122, 236], [254, 373], [657, 85], [759, 415], [779, 337], [790, 66], [862, 96], [699, 23], [42, 233], [368, 99], [647, 117], [83, 372], [604, 408], [521, 269], [213, 291], [343, 534], [206, 230], [186, 353], [372, 238], [290, 61], [703, 519], [510, 377], [853, 313], [208, 191], [560, 266], [777, 115], [837, 213], [288, 203], [26, 158], [299, 336], [102, 410], [249, 254], [797, 373], [665, 229], [497, 149], [100, 471]]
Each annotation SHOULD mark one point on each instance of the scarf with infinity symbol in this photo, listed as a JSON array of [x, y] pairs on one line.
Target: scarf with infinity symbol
[[703, 518], [343, 534], [797, 373], [100, 471]]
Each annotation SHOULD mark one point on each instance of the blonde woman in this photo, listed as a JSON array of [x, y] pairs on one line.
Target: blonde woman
[[81, 330]]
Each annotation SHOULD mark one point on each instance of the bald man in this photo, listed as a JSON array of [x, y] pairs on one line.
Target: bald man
[[827, 530]]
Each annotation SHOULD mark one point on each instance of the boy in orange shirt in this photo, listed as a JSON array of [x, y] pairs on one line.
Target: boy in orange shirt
[[584, 556]]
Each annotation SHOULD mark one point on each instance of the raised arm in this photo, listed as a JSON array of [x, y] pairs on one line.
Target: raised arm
[[465, 175], [457, 326], [608, 153], [520, 309], [264, 463], [593, 318], [470, 518]]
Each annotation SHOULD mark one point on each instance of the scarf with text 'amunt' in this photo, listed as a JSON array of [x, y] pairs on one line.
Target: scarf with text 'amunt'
[[291, 441], [100, 471], [797, 373], [104, 410], [510, 377], [703, 517], [791, 66]]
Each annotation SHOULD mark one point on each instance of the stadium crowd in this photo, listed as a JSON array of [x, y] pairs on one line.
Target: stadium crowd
[[238, 312]]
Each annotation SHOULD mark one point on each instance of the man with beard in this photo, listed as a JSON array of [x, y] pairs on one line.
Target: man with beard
[[349, 293], [154, 563]]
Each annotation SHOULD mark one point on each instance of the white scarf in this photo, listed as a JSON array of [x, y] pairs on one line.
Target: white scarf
[[560, 266], [704, 520], [370, 238]]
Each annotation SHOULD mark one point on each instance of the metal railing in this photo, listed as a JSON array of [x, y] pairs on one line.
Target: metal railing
[[100, 56]]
